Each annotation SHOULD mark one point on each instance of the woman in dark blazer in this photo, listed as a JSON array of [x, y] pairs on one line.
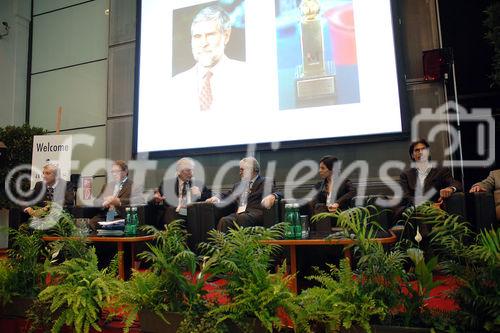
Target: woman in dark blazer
[[330, 194]]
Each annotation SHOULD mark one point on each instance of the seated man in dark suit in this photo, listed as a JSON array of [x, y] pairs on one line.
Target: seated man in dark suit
[[117, 194], [176, 193], [51, 189], [426, 181], [252, 195], [490, 184]]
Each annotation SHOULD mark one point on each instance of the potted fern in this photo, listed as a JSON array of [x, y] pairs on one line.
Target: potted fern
[[474, 261], [21, 273], [161, 296], [80, 292], [255, 296], [338, 303], [173, 296], [398, 280]]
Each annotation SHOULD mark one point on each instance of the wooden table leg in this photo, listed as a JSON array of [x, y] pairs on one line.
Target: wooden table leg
[[348, 255], [132, 255], [121, 264], [293, 267]]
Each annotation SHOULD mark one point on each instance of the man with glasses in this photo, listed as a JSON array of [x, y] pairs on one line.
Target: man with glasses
[[426, 180], [116, 194], [251, 195]]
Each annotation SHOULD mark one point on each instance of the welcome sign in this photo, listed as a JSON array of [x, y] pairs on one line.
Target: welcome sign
[[51, 149]]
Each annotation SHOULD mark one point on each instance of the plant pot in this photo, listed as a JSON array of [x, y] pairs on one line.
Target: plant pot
[[388, 329], [399, 329], [4, 225], [17, 308], [254, 324], [152, 323]]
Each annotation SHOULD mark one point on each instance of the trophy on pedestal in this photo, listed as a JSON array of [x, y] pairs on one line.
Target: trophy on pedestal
[[315, 83]]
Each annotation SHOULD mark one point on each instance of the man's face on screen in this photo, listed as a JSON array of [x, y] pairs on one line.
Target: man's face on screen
[[208, 42]]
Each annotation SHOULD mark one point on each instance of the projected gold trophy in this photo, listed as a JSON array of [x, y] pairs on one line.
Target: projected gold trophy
[[315, 83]]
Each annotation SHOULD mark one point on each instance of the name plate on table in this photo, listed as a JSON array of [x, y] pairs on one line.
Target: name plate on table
[[110, 233]]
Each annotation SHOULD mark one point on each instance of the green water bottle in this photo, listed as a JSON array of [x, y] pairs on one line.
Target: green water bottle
[[135, 221], [127, 216], [128, 220], [289, 228], [297, 226]]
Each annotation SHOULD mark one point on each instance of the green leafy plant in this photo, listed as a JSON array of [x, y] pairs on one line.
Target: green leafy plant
[[243, 260], [171, 285], [21, 273], [476, 266], [19, 142], [359, 223], [339, 302], [62, 224], [400, 279], [383, 274], [414, 305], [80, 293]]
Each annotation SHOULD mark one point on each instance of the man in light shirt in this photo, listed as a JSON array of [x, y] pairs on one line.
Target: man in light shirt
[[215, 82], [424, 180]]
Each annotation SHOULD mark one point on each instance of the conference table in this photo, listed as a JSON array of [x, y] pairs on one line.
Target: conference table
[[120, 242], [292, 244]]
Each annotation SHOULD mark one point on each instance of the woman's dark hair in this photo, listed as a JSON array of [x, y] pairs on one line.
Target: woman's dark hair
[[414, 143], [328, 161]]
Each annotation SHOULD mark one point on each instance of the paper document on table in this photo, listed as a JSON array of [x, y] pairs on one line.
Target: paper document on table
[[104, 223]]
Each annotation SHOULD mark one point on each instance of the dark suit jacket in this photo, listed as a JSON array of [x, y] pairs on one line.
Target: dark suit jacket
[[170, 189], [255, 195], [129, 194], [437, 179], [342, 194], [63, 194]]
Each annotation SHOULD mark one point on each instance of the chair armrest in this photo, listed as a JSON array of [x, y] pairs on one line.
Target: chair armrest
[[272, 215], [456, 204], [481, 209]]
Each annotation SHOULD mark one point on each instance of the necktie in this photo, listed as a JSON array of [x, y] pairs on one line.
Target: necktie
[[244, 195], [183, 190], [206, 92], [50, 193]]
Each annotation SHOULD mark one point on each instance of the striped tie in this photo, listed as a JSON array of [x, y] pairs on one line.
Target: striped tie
[[206, 92]]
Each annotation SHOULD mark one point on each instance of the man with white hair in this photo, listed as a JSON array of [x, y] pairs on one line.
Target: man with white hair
[[251, 195], [216, 82], [51, 189], [177, 193]]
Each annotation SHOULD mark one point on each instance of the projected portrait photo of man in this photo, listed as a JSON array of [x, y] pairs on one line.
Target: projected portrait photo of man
[[209, 72], [316, 49]]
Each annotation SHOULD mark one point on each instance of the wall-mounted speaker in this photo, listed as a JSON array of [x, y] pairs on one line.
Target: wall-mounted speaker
[[437, 64]]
